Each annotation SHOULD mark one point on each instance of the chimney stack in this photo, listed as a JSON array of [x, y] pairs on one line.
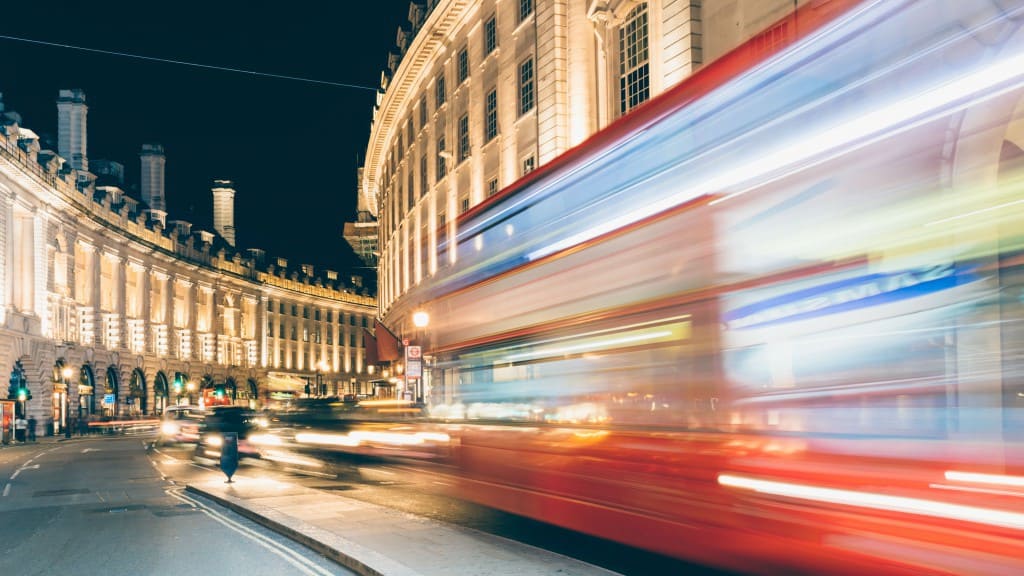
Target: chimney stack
[[224, 209]]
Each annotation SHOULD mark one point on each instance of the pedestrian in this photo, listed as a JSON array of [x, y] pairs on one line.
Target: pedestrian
[[19, 429], [32, 428]]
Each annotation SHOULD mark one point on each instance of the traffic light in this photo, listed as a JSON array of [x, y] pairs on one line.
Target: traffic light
[[178, 384], [18, 387], [218, 393]]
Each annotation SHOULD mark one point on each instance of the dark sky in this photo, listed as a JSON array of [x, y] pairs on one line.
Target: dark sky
[[292, 148]]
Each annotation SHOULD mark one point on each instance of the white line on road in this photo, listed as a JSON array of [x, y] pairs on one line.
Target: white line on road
[[304, 564], [7, 490], [16, 472]]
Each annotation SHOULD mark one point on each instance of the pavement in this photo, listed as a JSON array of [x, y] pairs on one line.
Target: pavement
[[373, 540]]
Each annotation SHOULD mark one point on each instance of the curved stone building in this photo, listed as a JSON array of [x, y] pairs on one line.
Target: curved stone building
[[108, 309], [480, 93]]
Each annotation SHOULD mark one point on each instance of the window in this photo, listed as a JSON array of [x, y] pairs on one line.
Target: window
[[463, 204], [634, 80], [441, 91], [316, 314], [463, 137], [525, 9], [295, 333], [305, 312], [409, 132], [305, 334], [412, 190], [490, 35], [442, 162], [463, 64], [526, 86], [330, 316], [492, 187], [270, 306], [280, 331], [352, 340], [282, 308], [491, 116], [352, 319], [423, 111], [528, 165], [424, 183], [295, 310]]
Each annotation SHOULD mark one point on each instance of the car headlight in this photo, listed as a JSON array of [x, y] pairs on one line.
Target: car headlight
[[169, 428], [215, 440]]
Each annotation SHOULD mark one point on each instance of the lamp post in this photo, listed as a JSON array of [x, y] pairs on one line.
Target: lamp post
[[66, 374]]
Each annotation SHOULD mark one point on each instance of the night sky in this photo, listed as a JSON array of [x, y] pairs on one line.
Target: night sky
[[292, 148]]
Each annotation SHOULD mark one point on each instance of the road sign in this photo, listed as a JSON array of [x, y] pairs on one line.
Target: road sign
[[414, 352], [108, 399], [414, 368]]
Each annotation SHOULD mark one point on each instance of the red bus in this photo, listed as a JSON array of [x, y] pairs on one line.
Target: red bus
[[773, 320]]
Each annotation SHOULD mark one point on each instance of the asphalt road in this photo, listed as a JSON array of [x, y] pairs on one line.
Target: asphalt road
[[101, 506]]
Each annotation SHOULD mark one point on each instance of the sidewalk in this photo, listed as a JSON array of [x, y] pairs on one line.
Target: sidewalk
[[378, 541]]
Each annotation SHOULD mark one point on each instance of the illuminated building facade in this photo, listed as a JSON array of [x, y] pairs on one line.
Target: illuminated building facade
[[481, 93], [107, 310]]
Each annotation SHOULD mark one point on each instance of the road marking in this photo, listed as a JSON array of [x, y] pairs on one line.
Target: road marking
[[304, 564], [16, 472], [7, 489], [87, 450]]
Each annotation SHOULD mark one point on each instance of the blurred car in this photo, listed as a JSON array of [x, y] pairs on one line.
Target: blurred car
[[220, 420], [180, 424]]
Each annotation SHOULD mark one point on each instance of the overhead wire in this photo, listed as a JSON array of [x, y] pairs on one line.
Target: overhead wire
[[186, 63]]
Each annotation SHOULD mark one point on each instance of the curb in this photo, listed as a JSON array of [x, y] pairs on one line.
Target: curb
[[355, 557]]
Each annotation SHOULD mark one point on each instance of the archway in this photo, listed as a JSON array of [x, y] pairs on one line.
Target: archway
[[137, 393], [61, 404], [160, 393], [86, 393], [111, 392], [253, 392]]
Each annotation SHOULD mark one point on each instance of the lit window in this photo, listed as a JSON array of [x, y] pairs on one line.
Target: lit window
[[490, 35], [491, 116], [634, 79], [463, 137], [526, 86]]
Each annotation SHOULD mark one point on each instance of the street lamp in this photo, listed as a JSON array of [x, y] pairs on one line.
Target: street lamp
[[66, 374], [190, 387]]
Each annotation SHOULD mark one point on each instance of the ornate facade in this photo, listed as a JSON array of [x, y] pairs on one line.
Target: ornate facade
[[482, 92], [107, 311]]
